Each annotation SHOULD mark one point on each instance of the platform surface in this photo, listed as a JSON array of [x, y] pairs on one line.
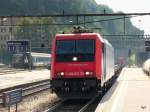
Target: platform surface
[[23, 77], [130, 93]]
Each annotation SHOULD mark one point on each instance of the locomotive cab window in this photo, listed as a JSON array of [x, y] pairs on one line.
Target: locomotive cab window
[[65, 47], [85, 46], [67, 50]]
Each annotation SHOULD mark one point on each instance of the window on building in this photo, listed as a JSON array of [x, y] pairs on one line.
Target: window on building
[[8, 38], [10, 29], [4, 46], [3, 29], [4, 37]]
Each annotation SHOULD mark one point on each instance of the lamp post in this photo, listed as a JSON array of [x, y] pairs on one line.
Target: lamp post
[[30, 58], [2, 20], [63, 7], [124, 25], [140, 23]]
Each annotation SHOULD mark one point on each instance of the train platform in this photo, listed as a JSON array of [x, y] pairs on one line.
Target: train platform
[[23, 77], [130, 93]]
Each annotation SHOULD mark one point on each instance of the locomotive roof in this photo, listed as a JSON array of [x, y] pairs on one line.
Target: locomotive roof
[[77, 35], [107, 42]]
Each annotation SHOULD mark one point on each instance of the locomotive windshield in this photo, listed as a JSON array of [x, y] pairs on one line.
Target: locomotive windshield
[[85, 46], [65, 47], [83, 49]]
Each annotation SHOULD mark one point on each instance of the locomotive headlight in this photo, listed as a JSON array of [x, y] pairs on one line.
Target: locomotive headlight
[[88, 73], [62, 73], [74, 58]]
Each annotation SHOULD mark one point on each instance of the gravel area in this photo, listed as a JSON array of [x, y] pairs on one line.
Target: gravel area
[[35, 103]]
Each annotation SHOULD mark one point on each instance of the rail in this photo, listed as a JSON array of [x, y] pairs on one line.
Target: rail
[[82, 106], [27, 89], [83, 109], [73, 105], [55, 106]]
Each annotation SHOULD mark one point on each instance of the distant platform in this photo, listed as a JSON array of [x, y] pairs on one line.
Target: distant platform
[[1, 65], [130, 93], [15, 79]]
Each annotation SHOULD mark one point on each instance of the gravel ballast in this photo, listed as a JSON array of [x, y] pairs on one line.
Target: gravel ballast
[[35, 103]]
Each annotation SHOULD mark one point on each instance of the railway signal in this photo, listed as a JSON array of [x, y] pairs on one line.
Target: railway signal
[[129, 53], [147, 45]]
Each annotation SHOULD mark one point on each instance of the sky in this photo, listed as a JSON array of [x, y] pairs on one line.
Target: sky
[[132, 6]]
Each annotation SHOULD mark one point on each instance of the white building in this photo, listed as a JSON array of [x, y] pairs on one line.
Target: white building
[[6, 31]]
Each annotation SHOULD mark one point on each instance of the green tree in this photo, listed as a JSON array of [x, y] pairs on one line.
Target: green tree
[[37, 30]]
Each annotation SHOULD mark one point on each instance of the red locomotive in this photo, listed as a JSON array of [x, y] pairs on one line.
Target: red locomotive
[[82, 64]]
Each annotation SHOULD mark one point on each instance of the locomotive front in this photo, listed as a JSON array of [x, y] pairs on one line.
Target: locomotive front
[[73, 69]]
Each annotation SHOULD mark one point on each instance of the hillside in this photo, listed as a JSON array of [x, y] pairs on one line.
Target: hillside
[[34, 7]]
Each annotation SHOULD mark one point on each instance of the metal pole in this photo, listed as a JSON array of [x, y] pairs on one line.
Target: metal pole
[[8, 108], [11, 24], [30, 55], [2, 56], [63, 7], [84, 21], [124, 25], [16, 108], [77, 20], [2, 25]]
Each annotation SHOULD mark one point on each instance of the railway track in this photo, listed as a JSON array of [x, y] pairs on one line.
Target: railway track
[[80, 105], [27, 89], [63, 106], [75, 105]]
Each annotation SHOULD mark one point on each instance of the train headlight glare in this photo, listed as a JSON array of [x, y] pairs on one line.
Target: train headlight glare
[[62, 73], [88, 73], [74, 58]]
